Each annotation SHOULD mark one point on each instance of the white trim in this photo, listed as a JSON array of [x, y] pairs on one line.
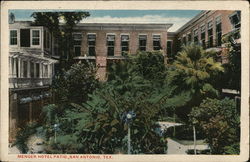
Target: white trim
[[79, 34], [110, 34], [142, 34], [31, 37], [156, 34], [91, 34], [124, 34], [16, 38]]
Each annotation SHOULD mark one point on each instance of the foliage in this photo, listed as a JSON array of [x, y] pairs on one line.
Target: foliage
[[232, 75], [196, 72], [96, 125], [74, 84], [22, 136], [61, 25], [220, 122]]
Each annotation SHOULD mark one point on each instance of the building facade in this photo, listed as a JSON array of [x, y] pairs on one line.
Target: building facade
[[208, 29], [105, 42], [31, 68]]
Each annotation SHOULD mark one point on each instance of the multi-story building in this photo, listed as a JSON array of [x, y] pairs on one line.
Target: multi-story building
[[104, 42], [30, 72], [208, 28]]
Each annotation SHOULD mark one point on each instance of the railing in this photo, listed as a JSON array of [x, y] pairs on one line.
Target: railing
[[29, 82]]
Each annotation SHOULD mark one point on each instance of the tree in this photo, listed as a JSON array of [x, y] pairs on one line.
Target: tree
[[195, 71], [232, 76], [97, 125], [61, 25], [75, 84], [220, 122]]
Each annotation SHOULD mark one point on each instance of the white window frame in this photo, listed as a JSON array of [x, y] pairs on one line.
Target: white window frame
[[31, 38], [197, 34], [81, 39], [153, 39], [139, 40], [125, 34], [16, 37], [88, 42], [229, 17]]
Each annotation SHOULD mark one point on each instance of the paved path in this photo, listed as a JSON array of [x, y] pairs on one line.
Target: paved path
[[177, 148], [34, 143]]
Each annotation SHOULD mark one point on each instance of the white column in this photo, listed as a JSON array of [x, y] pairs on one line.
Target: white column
[[28, 69], [41, 70], [34, 69], [49, 70], [14, 68], [19, 68]]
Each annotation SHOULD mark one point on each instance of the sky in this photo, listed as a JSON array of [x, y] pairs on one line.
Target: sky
[[177, 17]]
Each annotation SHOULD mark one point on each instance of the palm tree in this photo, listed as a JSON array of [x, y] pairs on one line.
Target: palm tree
[[195, 70]]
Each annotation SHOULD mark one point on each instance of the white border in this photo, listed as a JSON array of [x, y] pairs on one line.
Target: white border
[[141, 5]]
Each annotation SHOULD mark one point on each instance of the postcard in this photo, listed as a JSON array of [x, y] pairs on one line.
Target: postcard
[[125, 81]]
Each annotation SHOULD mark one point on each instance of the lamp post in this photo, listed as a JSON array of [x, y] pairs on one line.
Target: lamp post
[[128, 117], [56, 126], [194, 132]]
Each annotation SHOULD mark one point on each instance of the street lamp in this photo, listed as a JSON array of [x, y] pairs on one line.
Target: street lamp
[[128, 117], [56, 127]]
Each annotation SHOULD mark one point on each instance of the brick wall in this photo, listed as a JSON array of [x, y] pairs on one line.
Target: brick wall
[[101, 47]]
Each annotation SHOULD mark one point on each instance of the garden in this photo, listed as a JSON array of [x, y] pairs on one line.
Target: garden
[[91, 117]]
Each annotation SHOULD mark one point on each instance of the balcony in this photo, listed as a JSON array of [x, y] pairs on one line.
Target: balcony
[[29, 82]]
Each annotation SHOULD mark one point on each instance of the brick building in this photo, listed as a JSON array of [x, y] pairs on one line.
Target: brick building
[[104, 42], [31, 68], [207, 29]]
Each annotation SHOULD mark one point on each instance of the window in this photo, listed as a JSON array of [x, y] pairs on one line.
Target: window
[[91, 44], [157, 42], [196, 39], [142, 42], [218, 31], [210, 34], [13, 37], [169, 48], [25, 37], [25, 69], [37, 70], [111, 44], [124, 43], [77, 38], [35, 37], [235, 19], [184, 40], [203, 36], [189, 38], [32, 72]]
